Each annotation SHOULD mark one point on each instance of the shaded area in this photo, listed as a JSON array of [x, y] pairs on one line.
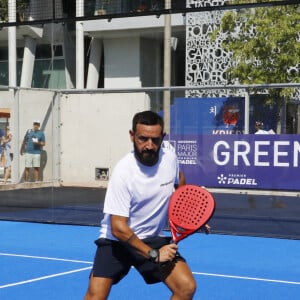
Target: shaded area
[[65, 205], [257, 215], [238, 214]]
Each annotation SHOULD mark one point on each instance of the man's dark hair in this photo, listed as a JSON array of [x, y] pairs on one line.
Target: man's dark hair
[[147, 117], [259, 124]]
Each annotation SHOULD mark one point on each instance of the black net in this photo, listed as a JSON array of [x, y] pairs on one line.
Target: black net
[[65, 205], [39, 12]]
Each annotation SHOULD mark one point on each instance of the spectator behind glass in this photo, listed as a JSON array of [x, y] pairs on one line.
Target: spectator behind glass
[[33, 142], [6, 153], [259, 128]]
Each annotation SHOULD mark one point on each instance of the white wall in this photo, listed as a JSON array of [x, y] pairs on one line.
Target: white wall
[[34, 105], [122, 62], [95, 133], [83, 131], [6, 101]]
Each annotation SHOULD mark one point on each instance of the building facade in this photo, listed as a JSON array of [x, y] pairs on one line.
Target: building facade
[[108, 44]]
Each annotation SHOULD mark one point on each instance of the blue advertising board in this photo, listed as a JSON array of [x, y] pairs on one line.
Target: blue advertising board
[[223, 115], [207, 135], [240, 161]]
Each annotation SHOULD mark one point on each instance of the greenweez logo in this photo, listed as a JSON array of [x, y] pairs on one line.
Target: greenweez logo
[[235, 179]]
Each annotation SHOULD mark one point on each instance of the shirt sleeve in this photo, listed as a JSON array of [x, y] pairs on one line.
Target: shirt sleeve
[[43, 137], [118, 198]]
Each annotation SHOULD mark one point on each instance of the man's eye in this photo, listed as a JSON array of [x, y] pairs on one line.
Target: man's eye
[[144, 139], [156, 141]]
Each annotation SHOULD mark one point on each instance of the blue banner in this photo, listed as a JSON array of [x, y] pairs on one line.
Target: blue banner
[[240, 161], [223, 115]]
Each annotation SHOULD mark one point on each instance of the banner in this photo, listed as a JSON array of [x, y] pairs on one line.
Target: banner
[[240, 161], [223, 115]]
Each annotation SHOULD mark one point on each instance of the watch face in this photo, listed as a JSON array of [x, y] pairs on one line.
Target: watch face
[[153, 254]]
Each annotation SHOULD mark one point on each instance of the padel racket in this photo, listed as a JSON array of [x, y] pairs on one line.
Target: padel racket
[[190, 208]]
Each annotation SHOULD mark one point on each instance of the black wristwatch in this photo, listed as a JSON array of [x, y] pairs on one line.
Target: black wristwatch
[[153, 255]]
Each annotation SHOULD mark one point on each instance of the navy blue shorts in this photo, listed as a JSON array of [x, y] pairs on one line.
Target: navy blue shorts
[[114, 259]]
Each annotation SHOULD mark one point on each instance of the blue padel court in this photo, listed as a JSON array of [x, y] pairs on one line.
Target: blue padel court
[[53, 262]]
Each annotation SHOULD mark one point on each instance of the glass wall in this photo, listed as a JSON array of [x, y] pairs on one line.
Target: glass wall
[[215, 95], [48, 72], [254, 177]]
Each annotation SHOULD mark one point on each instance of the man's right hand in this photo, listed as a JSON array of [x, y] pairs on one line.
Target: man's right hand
[[167, 252]]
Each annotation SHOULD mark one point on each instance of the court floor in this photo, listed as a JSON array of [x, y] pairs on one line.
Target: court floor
[[52, 262]]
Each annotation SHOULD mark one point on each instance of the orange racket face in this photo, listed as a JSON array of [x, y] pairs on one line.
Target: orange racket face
[[190, 208]]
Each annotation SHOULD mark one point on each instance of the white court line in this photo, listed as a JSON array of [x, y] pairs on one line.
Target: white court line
[[247, 278], [49, 276], [46, 258], [87, 262], [43, 277]]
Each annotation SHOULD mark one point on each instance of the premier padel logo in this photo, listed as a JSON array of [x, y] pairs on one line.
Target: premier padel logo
[[236, 179], [222, 179]]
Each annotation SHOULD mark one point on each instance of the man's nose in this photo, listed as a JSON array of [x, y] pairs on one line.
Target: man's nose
[[150, 144]]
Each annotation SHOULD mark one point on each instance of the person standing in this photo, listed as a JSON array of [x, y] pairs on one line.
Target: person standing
[[33, 143], [6, 146], [135, 214]]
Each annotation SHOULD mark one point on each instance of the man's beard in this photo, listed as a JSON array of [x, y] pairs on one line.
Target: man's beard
[[146, 157]]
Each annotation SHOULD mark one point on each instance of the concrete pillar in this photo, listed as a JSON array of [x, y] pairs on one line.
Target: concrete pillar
[[79, 46], [167, 67], [12, 45], [94, 63], [28, 62]]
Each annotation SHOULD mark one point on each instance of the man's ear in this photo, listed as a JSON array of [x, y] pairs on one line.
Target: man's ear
[[131, 133], [163, 135]]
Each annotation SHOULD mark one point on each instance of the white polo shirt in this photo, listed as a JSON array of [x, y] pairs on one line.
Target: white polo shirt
[[261, 131], [141, 193]]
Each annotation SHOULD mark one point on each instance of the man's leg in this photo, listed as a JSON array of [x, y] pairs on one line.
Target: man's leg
[[181, 282], [26, 174], [7, 174], [98, 289], [36, 173], [111, 264], [28, 165], [36, 165]]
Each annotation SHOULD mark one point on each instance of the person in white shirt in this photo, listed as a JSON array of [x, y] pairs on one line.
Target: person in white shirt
[[259, 128], [135, 213], [276, 203]]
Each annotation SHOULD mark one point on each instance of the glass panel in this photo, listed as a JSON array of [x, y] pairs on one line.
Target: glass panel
[[47, 75], [3, 73], [213, 108]]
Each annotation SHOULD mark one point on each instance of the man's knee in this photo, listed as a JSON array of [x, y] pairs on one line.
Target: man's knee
[[187, 288], [184, 288]]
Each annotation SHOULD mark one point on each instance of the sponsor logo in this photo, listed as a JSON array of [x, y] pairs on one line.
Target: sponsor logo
[[187, 152], [236, 179]]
